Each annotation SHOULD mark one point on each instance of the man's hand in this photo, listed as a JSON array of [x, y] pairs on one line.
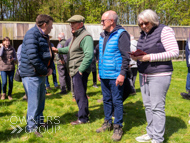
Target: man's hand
[[49, 71], [80, 73], [99, 78], [120, 80], [54, 49]]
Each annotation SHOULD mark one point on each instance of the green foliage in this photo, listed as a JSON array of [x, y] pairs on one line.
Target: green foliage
[[61, 109], [171, 12]]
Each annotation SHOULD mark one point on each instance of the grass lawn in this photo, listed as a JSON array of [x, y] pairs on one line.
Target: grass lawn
[[60, 111]]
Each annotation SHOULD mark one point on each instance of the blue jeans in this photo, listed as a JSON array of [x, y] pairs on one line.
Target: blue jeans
[[10, 75], [113, 99], [54, 78], [35, 91], [188, 80]]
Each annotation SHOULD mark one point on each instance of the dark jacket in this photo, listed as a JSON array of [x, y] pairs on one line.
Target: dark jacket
[[93, 64], [36, 54], [151, 43], [6, 54]]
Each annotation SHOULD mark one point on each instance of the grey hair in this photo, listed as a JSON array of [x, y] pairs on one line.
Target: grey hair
[[112, 15], [61, 35], [149, 15], [115, 17]]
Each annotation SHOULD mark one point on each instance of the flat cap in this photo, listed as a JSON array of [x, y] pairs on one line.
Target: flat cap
[[76, 18]]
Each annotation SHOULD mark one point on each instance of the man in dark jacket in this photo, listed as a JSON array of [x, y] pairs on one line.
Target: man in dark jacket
[[114, 45], [36, 63]]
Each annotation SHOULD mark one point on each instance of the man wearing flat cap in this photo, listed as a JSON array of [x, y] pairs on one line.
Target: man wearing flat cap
[[79, 57]]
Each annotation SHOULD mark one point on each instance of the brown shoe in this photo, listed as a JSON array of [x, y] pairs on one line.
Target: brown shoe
[[9, 97], [77, 122], [3, 96], [57, 87], [48, 88], [38, 134], [24, 97], [64, 92], [105, 126], [117, 133], [44, 125]]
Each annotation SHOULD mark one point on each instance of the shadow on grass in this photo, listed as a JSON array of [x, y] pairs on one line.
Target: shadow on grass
[[134, 116], [95, 114], [94, 93], [53, 94], [5, 114], [138, 90], [6, 135], [173, 124], [6, 102], [18, 95]]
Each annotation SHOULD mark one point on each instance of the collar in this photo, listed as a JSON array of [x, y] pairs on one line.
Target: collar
[[78, 32], [43, 34]]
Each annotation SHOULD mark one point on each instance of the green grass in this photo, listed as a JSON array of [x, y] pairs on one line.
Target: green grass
[[61, 111]]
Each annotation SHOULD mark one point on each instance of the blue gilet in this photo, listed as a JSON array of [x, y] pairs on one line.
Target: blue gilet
[[110, 60]]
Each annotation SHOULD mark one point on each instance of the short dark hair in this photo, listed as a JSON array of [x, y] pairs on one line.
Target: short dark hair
[[6, 38], [43, 18]]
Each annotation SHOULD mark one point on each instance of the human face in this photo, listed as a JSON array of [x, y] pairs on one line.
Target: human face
[[145, 25], [106, 23], [75, 26], [6, 43], [59, 38], [47, 27]]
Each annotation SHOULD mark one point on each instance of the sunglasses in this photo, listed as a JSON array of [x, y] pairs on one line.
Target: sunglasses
[[102, 21], [143, 23]]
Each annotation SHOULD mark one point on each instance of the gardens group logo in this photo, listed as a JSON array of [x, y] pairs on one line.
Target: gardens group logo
[[53, 124]]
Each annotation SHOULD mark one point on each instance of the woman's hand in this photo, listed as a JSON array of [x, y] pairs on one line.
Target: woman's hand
[[133, 57], [144, 58]]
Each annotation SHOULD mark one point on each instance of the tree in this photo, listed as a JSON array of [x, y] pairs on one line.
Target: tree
[[171, 12]]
